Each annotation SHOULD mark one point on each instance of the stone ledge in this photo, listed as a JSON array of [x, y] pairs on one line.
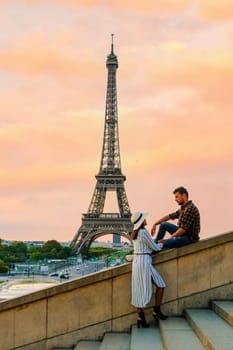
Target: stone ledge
[[101, 301], [160, 257], [66, 286], [203, 244]]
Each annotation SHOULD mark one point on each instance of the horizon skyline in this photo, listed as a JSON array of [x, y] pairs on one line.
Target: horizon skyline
[[174, 84]]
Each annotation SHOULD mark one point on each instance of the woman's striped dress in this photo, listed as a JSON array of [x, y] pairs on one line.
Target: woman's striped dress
[[143, 271]]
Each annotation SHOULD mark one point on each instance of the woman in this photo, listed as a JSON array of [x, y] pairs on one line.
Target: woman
[[143, 272]]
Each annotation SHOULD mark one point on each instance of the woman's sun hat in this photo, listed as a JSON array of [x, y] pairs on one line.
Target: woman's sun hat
[[137, 219]]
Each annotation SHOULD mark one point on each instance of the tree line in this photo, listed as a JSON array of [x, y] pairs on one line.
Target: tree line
[[19, 252]]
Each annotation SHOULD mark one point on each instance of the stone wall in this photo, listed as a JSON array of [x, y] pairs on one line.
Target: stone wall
[[88, 307]]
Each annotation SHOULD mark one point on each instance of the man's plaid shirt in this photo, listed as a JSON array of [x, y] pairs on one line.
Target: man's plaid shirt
[[188, 219]]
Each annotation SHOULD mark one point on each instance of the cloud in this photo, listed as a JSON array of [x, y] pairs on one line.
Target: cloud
[[208, 9], [149, 5], [184, 105], [196, 68], [190, 131], [37, 56], [60, 151], [216, 10], [175, 108], [173, 46], [44, 213]]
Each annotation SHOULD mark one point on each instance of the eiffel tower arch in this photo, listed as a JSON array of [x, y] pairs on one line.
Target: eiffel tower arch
[[96, 223]]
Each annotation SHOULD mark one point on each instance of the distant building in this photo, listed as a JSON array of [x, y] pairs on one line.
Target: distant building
[[101, 244], [116, 239]]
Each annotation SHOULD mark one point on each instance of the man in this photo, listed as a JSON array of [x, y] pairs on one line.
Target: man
[[188, 227]]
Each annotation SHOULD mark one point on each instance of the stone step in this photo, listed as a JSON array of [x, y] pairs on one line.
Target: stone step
[[224, 309], [212, 330], [145, 338], [116, 341], [177, 334], [63, 348], [88, 345]]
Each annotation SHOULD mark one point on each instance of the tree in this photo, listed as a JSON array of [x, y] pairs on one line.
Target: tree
[[3, 267], [35, 256], [34, 248], [50, 245], [18, 250], [53, 253], [64, 253]]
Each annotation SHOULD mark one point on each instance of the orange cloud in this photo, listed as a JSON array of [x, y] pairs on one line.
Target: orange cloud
[[195, 130], [43, 175], [57, 152], [216, 10], [175, 111], [151, 5], [173, 46], [198, 68], [38, 56], [209, 9], [158, 6]]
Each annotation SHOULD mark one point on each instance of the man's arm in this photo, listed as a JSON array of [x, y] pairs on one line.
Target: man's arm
[[165, 218], [178, 233]]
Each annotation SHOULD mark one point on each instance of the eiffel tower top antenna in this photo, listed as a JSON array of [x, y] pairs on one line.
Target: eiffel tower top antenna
[[112, 46]]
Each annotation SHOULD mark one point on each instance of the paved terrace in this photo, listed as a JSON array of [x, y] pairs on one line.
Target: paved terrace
[[89, 307]]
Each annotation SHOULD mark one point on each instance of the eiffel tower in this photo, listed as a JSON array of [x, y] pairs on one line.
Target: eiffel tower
[[96, 223]]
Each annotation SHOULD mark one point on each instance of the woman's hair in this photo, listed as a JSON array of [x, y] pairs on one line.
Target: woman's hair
[[134, 233]]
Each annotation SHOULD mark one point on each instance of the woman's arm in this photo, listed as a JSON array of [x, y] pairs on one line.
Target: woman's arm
[[150, 242]]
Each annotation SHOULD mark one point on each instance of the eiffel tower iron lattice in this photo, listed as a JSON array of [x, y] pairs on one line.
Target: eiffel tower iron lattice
[[96, 223]]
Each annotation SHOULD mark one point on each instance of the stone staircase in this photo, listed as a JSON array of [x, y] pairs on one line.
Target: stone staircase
[[199, 329]]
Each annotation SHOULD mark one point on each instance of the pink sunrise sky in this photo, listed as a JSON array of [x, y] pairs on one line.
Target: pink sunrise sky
[[175, 104]]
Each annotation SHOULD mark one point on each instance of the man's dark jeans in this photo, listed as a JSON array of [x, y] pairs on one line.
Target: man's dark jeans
[[173, 242]]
